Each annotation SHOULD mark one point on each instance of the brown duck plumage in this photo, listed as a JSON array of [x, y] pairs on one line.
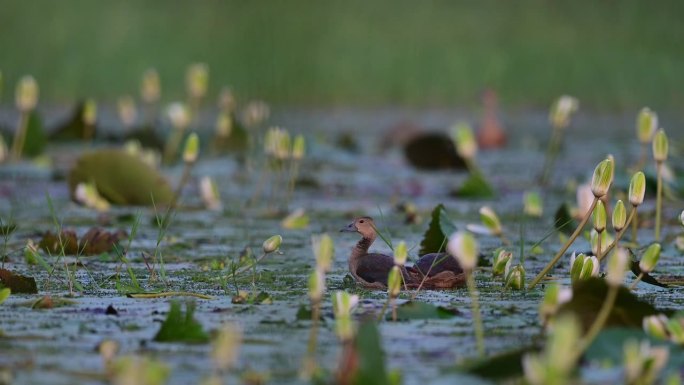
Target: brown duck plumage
[[371, 269]]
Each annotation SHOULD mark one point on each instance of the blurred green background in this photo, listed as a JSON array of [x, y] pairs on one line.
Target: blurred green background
[[615, 55]]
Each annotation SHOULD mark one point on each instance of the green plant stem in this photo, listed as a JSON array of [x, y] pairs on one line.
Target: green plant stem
[[245, 268], [294, 172], [172, 145], [477, 319], [599, 322], [598, 242], [636, 281], [185, 177], [659, 199], [565, 247], [551, 154], [635, 228], [170, 294], [313, 336], [619, 234], [20, 137]]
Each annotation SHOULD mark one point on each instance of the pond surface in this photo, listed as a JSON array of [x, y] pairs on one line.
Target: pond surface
[[58, 346]]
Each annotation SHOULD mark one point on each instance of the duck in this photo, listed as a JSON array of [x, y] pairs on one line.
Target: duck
[[371, 270]]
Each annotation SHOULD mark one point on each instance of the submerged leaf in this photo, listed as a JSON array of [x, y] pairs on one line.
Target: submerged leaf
[[414, 310], [476, 186], [121, 178], [181, 326], [18, 283], [434, 239]]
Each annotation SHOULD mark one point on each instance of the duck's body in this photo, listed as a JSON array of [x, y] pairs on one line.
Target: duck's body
[[372, 269]]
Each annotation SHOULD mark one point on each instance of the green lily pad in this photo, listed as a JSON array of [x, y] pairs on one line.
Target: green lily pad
[[440, 228], [588, 297], [181, 326], [18, 283], [371, 358], [121, 178], [476, 186], [415, 310]]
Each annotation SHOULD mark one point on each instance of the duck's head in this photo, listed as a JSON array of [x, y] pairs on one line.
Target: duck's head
[[362, 225]]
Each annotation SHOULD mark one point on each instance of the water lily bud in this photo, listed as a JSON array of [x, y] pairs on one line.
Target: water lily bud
[[561, 110], [394, 281], [89, 112], [576, 265], [283, 146], [272, 244], [466, 145], [197, 80], [501, 259], [210, 194], [619, 216], [584, 199], [647, 123], [515, 279], [400, 254], [655, 326], [554, 297], [179, 115], [606, 239], [127, 111], [226, 101], [642, 362], [660, 146], [637, 189], [533, 204], [650, 258], [224, 125], [255, 113], [590, 268], [316, 285], [27, 94], [191, 149], [602, 178], [617, 266], [298, 147], [675, 330], [344, 303], [150, 88], [490, 220], [226, 347], [463, 247], [599, 216], [324, 251], [3, 149]]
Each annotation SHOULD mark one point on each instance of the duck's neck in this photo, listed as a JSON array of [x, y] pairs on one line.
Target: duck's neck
[[362, 247]]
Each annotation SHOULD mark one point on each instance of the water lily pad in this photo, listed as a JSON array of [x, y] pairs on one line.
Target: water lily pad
[[181, 326], [18, 283], [589, 295], [415, 310], [476, 186], [121, 178], [434, 239]]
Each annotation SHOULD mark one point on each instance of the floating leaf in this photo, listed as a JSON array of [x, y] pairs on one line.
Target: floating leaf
[[476, 186], [121, 178], [180, 326], [18, 283], [414, 310], [433, 151], [563, 221], [371, 358], [434, 239], [36, 140], [588, 297]]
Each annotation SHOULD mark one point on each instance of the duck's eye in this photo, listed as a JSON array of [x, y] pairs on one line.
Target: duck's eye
[[361, 221]]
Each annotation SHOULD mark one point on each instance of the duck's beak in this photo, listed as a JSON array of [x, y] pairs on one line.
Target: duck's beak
[[350, 228]]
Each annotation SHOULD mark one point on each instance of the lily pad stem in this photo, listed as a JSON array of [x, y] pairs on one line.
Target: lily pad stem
[[659, 200]]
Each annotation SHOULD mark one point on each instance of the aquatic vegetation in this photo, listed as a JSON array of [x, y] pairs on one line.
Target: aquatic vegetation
[[532, 204], [26, 101], [180, 120], [181, 326], [660, 152], [648, 262], [643, 362], [559, 116]]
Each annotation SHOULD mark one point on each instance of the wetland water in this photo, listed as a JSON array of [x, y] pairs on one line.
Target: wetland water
[[58, 346]]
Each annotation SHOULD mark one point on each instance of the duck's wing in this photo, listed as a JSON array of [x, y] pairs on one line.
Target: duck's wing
[[436, 263], [375, 268]]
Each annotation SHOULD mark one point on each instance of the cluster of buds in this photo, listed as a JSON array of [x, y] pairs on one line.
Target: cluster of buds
[[583, 267], [197, 80], [279, 144], [643, 362], [226, 347], [664, 328], [554, 365], [561, 111], [128, 112], [150, 87], [27, 94], [466, 145], [255, 113], [343, 306], [210, 194]]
